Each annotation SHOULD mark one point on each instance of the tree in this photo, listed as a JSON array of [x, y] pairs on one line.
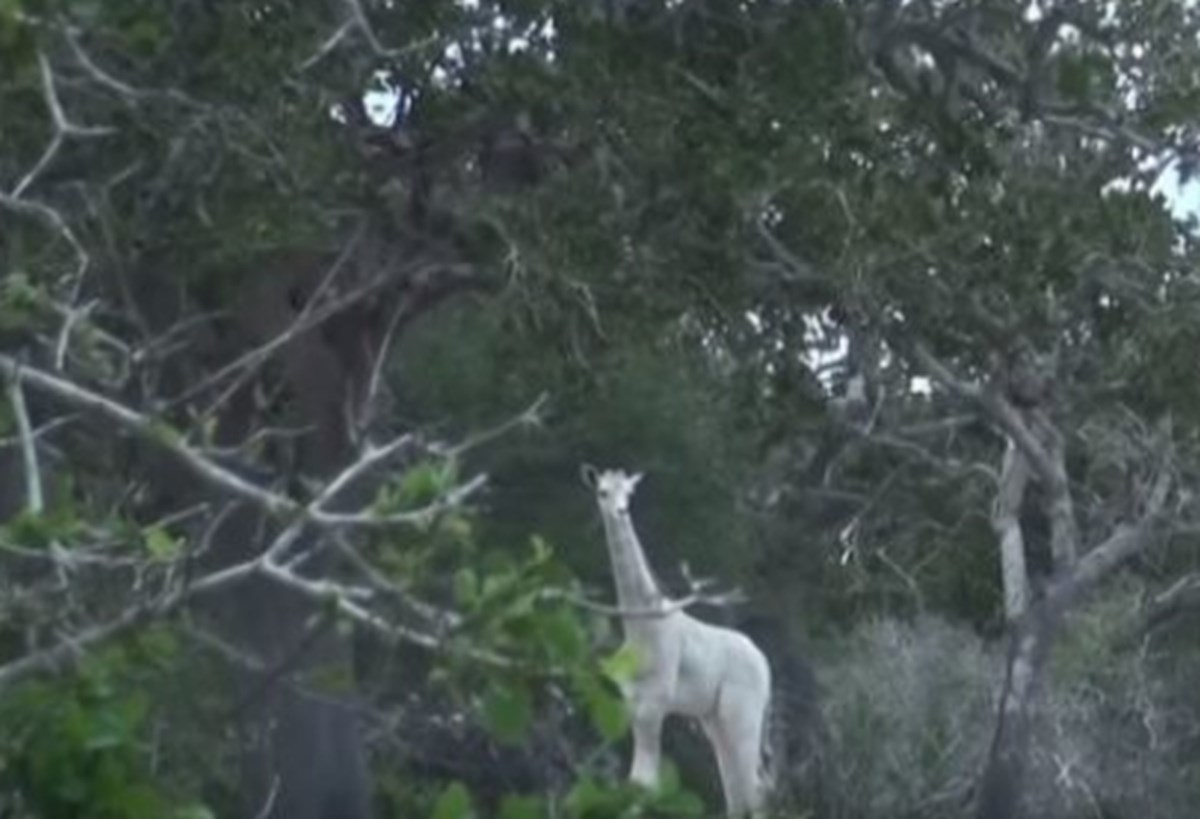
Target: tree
[[874, 287]]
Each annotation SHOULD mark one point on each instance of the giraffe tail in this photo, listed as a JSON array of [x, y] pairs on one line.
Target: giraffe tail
[[773, 753]]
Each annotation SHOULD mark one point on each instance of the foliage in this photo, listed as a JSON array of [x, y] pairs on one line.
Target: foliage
[[87, 746], [700, 227], [908, 704]]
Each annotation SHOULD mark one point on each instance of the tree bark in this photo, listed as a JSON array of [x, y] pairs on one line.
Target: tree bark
[[1006, 522], [1001, 787]]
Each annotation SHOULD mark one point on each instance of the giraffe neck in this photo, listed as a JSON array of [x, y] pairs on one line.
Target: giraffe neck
[[636, 587]]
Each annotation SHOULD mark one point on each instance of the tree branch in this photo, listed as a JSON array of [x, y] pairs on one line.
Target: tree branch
[[34, 500], [1124, 543], [1006, 522], [68, 650], [1180, 596], [148, 429], [698, 594]]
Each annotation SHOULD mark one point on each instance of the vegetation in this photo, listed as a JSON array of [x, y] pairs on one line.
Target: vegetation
[[309, 313]]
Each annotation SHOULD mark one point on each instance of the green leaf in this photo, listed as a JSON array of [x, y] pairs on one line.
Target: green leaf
[[38, 531], [454, 803], [507, 711], [668, 777], [457, 527], [160, 544], [466, 587], [427, 481], [563, 635], [679, 803], [585, 796], [607, 712], [521, 807], [622, 665], [589, 798], [542, 551]]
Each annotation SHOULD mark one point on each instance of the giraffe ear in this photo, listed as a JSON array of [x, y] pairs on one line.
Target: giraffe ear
[[634, 478], [589, 476]]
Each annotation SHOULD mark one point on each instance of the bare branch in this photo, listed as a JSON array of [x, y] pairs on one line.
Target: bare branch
[[44, 429], [269, 803], [63, 128], [341, 598], [145, 427], [698, 594], [370, 399], [35, 502], [1038, 442], [417, 517], [1124, 543], [34, 499], [531, 416], [257, 437], [799, 270], [1180, 596], [329, 45], [73, 315], [54, 220], [97, 73], [358, 18], [69, 649], [997, 408], [309, 317], [366, 462], [230, 482], [442, 619]]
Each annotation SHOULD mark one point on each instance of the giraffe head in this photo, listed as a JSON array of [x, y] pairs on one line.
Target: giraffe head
[[613, 487]]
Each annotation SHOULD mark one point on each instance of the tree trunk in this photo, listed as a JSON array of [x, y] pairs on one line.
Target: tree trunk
[[1002, 786], [302, 757]]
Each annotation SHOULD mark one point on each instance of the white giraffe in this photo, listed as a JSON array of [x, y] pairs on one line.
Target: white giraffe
[[685, 666]]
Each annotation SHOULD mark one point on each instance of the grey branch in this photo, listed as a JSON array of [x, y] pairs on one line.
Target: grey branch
[[69, 649], [1006, 522], [310, 316], [1180, 596], [1124, 543], [998, 409], [224, 479], [358, 19], [63, 128], [329, 45], [33, 473], [698, 594], [531, 416], [146, 428]]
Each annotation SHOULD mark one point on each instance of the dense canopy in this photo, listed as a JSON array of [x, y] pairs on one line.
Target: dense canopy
[[310, 312]]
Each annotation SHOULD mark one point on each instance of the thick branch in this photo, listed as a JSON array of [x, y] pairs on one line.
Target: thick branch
[[998, 409], [1006, 521], [1038, 442], [1124, 543]]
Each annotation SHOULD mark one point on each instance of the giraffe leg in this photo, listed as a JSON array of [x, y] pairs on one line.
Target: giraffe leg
[[647, 745], [712, 730], [739, 731]]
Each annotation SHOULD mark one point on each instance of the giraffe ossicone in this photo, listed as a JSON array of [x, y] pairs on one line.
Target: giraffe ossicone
[[686, 666]]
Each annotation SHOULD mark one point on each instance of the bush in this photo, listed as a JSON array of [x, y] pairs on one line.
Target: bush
[[908, 707]]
